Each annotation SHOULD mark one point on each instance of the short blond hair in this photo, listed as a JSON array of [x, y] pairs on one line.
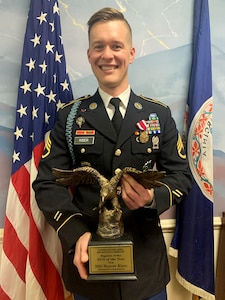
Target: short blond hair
[[107, 14]]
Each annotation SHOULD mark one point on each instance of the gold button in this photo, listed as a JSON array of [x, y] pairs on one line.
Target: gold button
[[118, 152], [149, 150], [82, 150], [117, 171]]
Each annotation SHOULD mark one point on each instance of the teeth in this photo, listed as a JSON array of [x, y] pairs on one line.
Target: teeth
[[106, 68]]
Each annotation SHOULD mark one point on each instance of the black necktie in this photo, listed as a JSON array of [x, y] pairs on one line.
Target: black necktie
[[117, 117]]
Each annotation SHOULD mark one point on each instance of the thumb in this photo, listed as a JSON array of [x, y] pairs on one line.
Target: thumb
[[84, 256]]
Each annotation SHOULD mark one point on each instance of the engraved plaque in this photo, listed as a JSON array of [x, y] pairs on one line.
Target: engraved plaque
[[111, 259]]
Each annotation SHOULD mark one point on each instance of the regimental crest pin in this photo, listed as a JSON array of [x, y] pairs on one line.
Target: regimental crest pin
[[93, 106], [80, 121]]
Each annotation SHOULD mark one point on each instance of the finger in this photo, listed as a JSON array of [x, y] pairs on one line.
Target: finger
[[83, 271], [81, 255], [126, 192], [80, 261], [134, 194], [134, 185]]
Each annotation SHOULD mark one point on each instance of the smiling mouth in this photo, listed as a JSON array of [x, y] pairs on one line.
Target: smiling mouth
[[108, 68]]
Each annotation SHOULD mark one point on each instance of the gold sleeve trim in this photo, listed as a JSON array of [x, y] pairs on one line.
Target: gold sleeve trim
[[177, 193], [170, 192], [57, 216], [67, 220]]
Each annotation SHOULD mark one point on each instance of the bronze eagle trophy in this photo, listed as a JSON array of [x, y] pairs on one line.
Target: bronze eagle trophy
[[110, 214]]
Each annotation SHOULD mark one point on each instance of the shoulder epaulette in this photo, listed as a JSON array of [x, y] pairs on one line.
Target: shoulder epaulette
[[153, 100], [76, 100]]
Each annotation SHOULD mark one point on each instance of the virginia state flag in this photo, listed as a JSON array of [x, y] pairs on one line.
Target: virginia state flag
[[193, 237]]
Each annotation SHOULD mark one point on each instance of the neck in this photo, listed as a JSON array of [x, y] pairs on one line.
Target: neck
[[114, 91]]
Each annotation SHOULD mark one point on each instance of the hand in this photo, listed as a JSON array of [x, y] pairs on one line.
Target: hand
[[134, 194], [81, 254]]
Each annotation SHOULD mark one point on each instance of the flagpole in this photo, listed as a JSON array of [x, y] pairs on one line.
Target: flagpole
[[196, 297]]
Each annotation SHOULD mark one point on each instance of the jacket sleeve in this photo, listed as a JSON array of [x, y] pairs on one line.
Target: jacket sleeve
[[54, 200], [172, 159]]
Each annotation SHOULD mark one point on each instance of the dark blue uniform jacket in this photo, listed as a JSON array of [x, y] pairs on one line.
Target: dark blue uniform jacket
[[83, 135]]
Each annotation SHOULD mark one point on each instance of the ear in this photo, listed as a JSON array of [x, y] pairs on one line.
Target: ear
[[88, 54], [132, 55]]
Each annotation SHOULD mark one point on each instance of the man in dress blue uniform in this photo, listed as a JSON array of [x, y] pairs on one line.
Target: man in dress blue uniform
[[84, 135]]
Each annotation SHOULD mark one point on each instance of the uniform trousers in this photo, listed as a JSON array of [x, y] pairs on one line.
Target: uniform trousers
[[160, 296]]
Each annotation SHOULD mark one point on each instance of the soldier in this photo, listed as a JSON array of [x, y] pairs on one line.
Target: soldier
[[84, 134]]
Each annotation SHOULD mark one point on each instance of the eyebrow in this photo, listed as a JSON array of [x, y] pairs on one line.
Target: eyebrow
[[111, 42]]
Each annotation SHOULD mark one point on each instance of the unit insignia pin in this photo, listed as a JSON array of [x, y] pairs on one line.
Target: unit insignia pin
[[93, 105], [155, 142], [80, 121], [138, 105], [147, 166]]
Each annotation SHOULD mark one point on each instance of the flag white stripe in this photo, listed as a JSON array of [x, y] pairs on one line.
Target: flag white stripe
[[16, 213], [16, 290], [33, 288]]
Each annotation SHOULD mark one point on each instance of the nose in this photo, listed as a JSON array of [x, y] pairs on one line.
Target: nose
[[107, 53]]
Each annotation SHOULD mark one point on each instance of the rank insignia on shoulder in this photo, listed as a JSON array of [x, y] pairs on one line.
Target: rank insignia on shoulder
[[47, 148], [180, 148]]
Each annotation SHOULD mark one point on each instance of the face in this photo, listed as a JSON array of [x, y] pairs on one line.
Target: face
[[110, 53]]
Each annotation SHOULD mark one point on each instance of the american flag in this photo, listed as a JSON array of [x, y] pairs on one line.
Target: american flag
[[31, 257], [194, 232]]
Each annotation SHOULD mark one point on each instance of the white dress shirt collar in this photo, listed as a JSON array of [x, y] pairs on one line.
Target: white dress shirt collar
[[124, 97]]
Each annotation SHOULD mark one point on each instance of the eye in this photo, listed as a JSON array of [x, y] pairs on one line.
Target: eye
[[116, 47], [98, 47]]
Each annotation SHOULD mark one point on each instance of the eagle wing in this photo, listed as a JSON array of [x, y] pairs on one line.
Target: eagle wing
[[149, 179], [80, 175]]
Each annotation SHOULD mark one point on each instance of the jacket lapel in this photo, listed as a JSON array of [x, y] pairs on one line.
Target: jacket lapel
[[94, 112], [135, 112]]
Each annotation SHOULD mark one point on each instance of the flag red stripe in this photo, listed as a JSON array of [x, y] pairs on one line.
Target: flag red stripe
[[43, 268], [37, 153], [3, 295], [18, 258], [21, 183]]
